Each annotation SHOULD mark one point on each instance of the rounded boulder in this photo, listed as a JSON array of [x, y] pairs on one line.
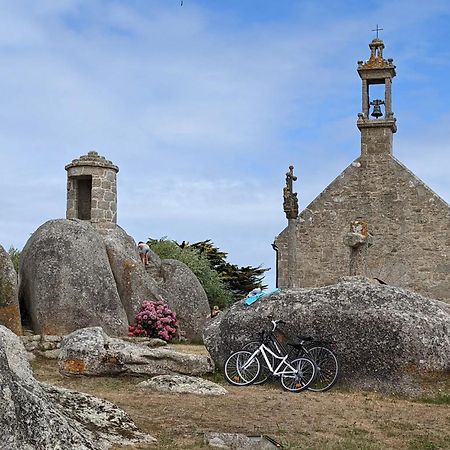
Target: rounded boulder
[[184, 293], [67, 282], [386, 337]]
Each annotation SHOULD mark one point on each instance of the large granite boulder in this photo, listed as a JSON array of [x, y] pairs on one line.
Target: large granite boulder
[[66, 281], [36, 415], [184, 293], [134, 284], [387, 338], [9, 300], [90, 351]]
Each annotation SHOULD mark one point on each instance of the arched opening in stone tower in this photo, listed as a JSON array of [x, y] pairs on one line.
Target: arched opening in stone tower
[[376, 94], [84, 196]]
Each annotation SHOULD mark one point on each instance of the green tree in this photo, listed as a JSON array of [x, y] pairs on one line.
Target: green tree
[[200, 256], [14, 253], [239, 280], [210, 279]]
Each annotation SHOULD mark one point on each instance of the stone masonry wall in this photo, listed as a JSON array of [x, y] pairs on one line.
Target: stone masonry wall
[[104, 189], [104, 194], [409, 222]]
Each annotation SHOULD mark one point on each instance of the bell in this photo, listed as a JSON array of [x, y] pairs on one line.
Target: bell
[[376, 111]]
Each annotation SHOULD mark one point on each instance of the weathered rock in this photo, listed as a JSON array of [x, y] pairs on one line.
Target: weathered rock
[[9, 300], [183, 384], [239, 441], [149, 342], [37, 416], [67, 282], [387, 338], [28, 338], [31, 346], [184, 293], [134, 284], [49, 354], [51, 338], [90, 351], [154, 266], [46, 346]]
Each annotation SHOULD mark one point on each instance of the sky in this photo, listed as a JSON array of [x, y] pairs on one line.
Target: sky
[[203, 106]]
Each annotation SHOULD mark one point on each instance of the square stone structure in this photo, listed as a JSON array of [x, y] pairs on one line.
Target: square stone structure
[[409, 223], [92, 190]]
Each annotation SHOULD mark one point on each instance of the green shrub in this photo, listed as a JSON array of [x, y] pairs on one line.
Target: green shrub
[[14, 253], [238, 280], [210, 279]]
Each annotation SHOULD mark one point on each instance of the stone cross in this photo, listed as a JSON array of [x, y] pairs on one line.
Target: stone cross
[[377, 30], [359, 240], [290, 178], [290, 204]]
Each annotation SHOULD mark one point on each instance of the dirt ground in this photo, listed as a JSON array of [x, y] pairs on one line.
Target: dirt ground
[[337, 419]]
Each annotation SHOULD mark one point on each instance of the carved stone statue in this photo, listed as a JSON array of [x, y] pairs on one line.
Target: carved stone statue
[[359, 240]]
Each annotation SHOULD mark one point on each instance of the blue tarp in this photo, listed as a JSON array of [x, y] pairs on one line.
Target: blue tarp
[[250, 300]]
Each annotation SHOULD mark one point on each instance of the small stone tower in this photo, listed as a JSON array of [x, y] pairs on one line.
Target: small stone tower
[[376, 128], [92, 190]]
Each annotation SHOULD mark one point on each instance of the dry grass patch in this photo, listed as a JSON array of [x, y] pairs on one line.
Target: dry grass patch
[[334, 420]]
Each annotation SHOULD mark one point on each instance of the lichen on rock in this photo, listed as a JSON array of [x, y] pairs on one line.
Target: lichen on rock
[[38, 416]]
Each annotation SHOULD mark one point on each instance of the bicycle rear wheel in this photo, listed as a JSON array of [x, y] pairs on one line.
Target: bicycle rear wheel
[[305, 371], [327, 368], [241, 369], [265, 372]]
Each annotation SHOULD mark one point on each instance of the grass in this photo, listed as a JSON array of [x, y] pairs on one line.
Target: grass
[[341, 419], [442, 398], [427, 443]]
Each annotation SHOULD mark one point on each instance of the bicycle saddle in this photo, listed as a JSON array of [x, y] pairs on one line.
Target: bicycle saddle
[[300, 340]]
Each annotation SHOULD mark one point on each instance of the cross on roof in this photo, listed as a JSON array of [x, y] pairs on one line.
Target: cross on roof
[[377, 30]]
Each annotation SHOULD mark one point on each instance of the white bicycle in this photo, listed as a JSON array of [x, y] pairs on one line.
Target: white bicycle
[[243, 367]]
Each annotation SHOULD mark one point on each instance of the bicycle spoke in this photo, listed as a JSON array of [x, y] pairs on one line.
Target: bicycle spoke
[[301, 378], [327, 368], [265, 371], [241, 369]]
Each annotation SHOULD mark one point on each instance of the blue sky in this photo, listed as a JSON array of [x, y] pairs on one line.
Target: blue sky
[[204, 106]]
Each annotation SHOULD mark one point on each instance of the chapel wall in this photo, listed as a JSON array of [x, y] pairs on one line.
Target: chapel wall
[[410, 226]]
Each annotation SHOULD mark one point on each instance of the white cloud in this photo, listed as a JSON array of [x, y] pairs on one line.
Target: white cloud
[[202, 115]]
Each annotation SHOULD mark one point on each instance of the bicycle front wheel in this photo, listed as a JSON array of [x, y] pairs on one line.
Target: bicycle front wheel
[[301, 377], [327, 368], [241, 369], [265, 371]]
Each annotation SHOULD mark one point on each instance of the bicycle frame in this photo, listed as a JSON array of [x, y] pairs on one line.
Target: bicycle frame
[[264, 350]]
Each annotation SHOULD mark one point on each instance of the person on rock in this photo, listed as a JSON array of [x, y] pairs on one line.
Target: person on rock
[[215, 312], [144, 252]]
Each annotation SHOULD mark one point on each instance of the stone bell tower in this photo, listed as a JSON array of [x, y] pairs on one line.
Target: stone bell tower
[[376, 126], [92, 190]]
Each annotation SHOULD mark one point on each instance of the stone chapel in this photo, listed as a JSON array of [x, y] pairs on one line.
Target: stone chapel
[[403, 237]]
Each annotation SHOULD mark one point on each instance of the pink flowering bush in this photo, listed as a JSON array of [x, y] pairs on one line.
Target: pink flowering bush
[[155, 319]]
